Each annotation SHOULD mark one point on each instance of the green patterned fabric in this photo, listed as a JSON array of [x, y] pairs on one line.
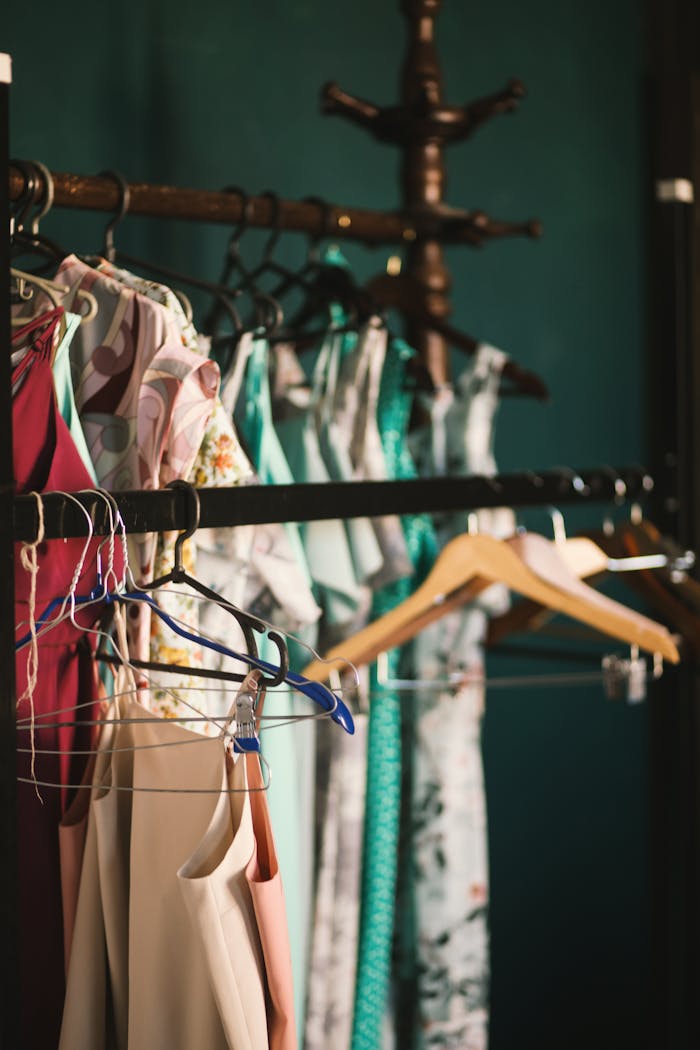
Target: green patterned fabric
[[384, 766]]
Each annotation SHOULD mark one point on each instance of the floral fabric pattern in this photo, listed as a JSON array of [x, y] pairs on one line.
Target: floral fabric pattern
[[448, 976], [144, 401], [220, 461]]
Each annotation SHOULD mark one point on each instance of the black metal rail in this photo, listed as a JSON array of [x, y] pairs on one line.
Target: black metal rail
[[167, 509]]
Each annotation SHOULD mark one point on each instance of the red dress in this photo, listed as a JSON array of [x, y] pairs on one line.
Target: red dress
[[46, 459]]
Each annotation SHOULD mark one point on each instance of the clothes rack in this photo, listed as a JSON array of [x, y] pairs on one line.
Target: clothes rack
[[422, 126], [101, 193]]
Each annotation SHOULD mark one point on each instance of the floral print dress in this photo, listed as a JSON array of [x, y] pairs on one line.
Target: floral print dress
[[144, 401], [446, 974], [220, 461]]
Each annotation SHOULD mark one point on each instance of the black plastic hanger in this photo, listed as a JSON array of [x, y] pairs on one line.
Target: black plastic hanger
[[223, 295], [25, 238]]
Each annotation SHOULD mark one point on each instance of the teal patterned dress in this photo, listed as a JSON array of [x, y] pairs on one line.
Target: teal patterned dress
[[384, 764]]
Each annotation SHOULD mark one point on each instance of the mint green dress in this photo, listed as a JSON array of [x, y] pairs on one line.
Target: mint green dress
[[326, 543], [289, 750], [65, 397], [384, 760]]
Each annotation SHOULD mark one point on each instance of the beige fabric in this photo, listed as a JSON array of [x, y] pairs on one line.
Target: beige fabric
[[72, 832], [214, 888], [141, 973]]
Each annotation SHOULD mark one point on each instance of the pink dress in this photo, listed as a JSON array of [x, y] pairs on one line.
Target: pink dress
[[265, 883]]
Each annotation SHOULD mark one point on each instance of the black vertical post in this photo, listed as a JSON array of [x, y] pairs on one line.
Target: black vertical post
[[675, 462], [9, 931]]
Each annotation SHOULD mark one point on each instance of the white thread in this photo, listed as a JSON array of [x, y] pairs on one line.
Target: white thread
[[29, 562]]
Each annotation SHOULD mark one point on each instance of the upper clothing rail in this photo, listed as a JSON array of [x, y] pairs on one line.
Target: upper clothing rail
[[315, 217]]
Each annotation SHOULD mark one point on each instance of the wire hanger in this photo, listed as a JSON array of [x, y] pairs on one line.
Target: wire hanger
[[618, 676], [275, 674], [238, 733], [178, 574], [102, 592], [528, 565], [223, 295], [27, 240]]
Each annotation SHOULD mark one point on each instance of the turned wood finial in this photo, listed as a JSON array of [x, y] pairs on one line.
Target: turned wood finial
[[423, 125]]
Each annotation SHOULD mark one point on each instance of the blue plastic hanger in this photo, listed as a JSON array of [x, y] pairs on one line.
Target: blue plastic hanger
[[319, 694], [315, 691]]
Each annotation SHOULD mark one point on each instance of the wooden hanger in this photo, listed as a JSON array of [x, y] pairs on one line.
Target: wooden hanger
[[597, 554], [675, 595], [468, 565]]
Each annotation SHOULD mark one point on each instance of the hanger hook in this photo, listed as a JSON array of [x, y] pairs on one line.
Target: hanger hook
[[26, 197], [619, 485], [108, 249], [275, 223], [47, 196], [558, 525], [536, 480], [193, 522], [327, 228], [570, 479], [270, 313], [283, 657], [242, 224], [619, 495], [636, 511]]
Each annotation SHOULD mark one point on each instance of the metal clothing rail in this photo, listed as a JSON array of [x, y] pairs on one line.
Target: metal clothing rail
[[169, 509], [102, 193]]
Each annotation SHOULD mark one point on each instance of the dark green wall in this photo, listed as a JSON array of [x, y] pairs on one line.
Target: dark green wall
[[208, 94]]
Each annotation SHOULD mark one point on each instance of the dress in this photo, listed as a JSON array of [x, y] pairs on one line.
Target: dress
[[326, 546], [219, 461], [336, 924], [265, 885], [64, 393], [290, 752], [166, 952], [144, 401], [448, 834], [388, 757], [45, 459]]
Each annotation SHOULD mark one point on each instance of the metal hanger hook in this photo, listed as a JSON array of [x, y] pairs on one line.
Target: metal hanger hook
[[26, 197], [558, 525], [47, 196], [636, 511], [193, 522], [537, 481], [619, 495], [573, 481], [243, 223], [619, 485], [275, 224], [108, 249], [327, 227]]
